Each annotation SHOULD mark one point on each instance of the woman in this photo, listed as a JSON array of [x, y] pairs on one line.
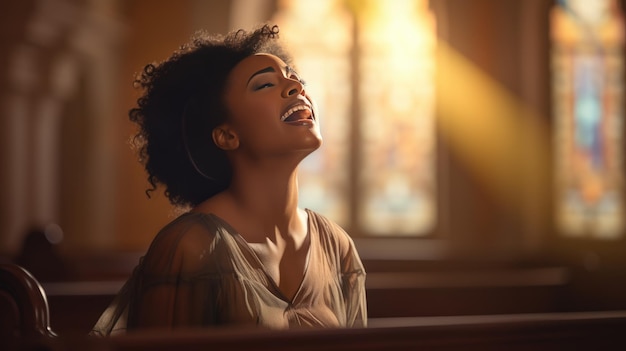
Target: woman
[[224, 123]]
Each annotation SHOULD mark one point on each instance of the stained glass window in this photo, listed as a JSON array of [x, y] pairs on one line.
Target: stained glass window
[[587, 78], [397, 41], [375, 171]]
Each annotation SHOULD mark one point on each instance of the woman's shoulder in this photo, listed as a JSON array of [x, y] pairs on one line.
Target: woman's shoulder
[[185, 243], [326, 224], [329, 231], [189, 226]]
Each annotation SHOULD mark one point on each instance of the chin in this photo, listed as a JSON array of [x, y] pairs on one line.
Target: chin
[[317, 143], [312, 146]]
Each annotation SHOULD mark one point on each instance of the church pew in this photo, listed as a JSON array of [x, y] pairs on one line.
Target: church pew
[[76, 305], [555, 331], [466, 291], [552, 331]]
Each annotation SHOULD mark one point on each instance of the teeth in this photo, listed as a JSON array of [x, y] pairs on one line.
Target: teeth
[[292, 110]]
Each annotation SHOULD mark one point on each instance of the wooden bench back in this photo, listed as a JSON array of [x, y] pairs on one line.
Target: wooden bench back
[[24, 313]]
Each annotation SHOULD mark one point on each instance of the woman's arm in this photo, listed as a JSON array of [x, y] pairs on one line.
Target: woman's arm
[[353, 285], [175, 286]]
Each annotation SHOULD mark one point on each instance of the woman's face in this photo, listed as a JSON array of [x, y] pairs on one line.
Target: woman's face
[[270, 112]]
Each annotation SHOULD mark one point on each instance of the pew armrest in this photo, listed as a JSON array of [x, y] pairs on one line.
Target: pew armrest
[[24, 312]]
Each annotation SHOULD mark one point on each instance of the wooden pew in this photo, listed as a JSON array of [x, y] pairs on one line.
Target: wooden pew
[[556, 331], [24, 313], [76, 306], [393, 290], [466, 291], [530, 331], [77, 302]]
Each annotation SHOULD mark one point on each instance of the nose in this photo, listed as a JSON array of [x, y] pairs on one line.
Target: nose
[[293, 87]]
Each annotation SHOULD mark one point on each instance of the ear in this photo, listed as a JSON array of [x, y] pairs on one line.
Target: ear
[[225, 137]]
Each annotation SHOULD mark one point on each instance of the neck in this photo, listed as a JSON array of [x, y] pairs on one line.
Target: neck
[[261, 202], [266, 191]]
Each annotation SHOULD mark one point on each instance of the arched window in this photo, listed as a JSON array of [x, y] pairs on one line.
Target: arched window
[[588, 91], [371, 67]]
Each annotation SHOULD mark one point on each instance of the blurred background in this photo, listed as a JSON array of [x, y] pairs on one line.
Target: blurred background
[[474, 149]]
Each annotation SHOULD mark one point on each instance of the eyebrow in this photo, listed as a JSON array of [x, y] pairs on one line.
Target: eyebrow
[[264, 70]]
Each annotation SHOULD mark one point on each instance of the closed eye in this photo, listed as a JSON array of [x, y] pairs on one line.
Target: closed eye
[[263, 86]]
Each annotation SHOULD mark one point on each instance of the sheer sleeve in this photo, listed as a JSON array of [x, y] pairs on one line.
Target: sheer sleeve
[[346, 265], [174, 285], [353, 286], [178, 282], [113, 320]]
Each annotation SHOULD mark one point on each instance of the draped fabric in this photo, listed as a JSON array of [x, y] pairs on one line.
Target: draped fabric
[[199, 271]]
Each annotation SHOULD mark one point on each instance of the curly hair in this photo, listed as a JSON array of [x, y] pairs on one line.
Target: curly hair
[[182, 102]]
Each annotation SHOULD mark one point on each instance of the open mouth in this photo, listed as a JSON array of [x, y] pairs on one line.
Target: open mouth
[[297, 113]]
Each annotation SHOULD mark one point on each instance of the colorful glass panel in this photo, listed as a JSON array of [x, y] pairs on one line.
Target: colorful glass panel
[[587, 78], [397, 76], [393, 75]]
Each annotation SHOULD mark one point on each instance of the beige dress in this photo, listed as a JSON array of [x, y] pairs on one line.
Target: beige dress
[[200, 272]]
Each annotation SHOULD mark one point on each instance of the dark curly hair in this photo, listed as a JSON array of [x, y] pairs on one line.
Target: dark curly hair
[[182, 102]]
